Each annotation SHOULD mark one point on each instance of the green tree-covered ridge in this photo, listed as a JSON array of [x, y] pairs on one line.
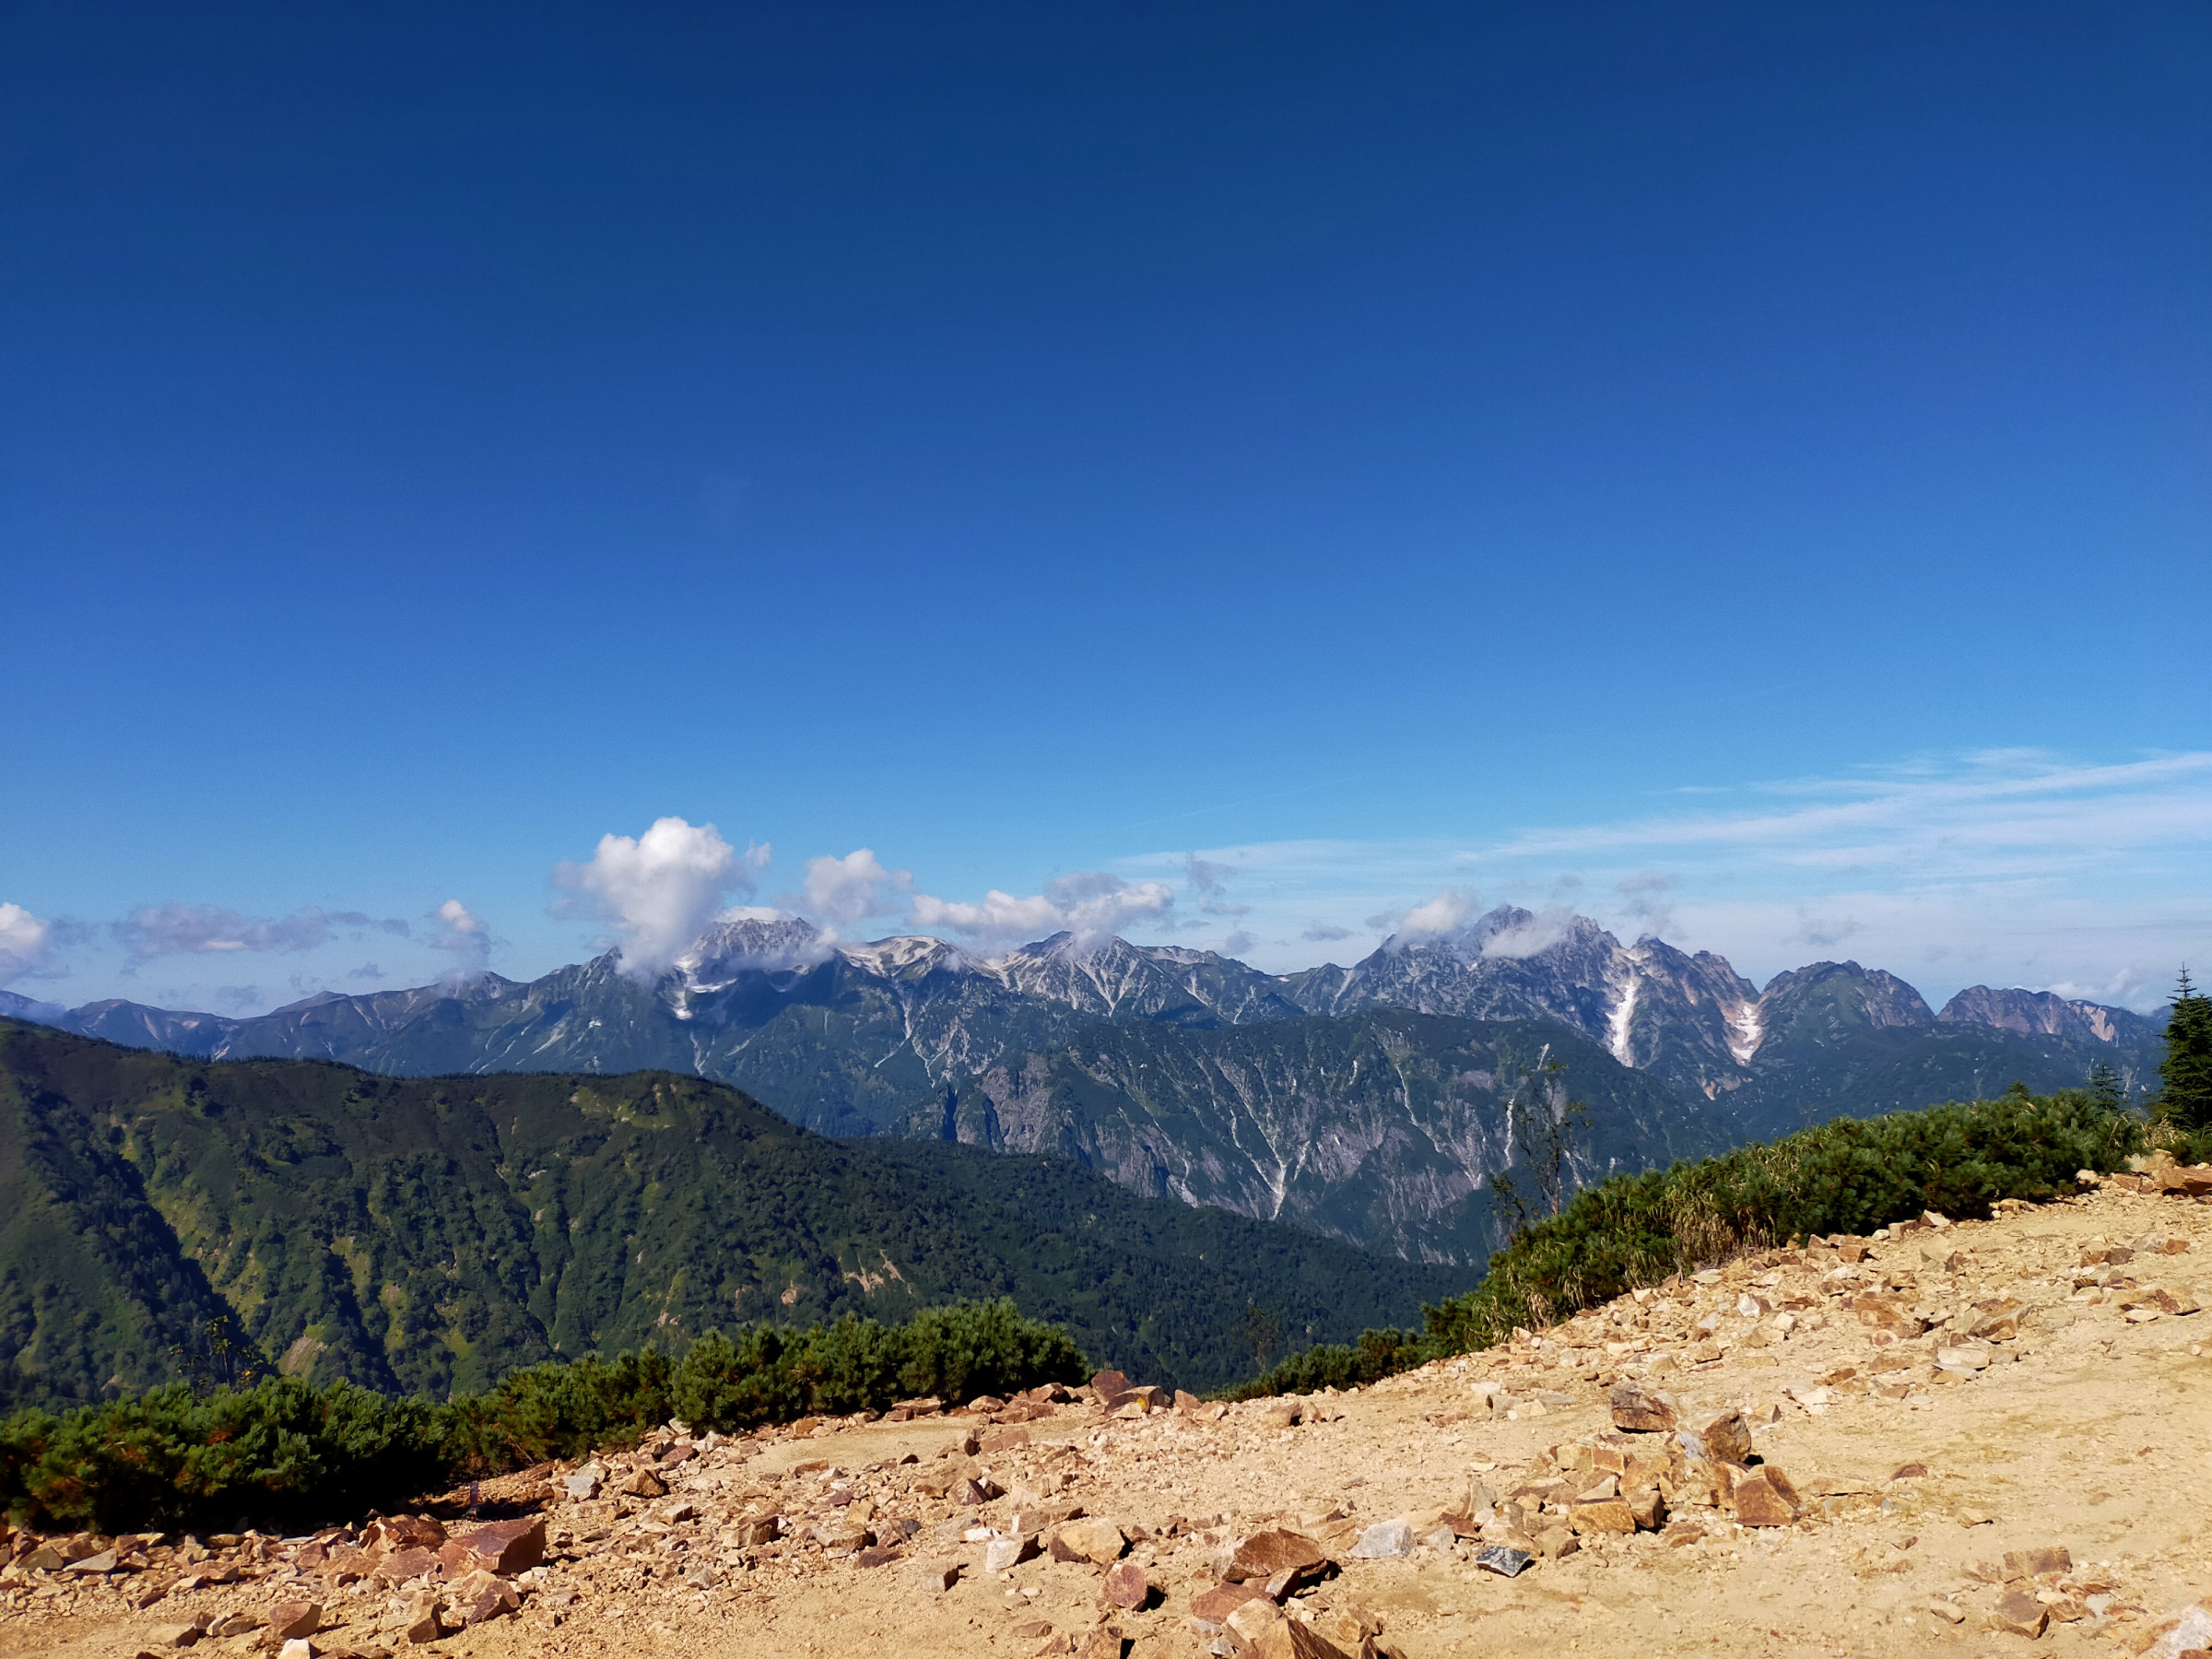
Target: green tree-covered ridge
[[427, 1236]]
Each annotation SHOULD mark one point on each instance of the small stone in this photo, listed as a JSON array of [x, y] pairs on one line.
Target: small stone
[[423, 1623], [1948, 1614], [585, 1484], [1003, 1555], [298, 1647], [1127, 1586], [1504, 1561], [1554, 1542], [237, 1624], [2032, 1563], [104, 1561], [2020, 1614], [1385, 1541], [646, 1484], [1962, 1359], [936, 1576], [1098, 1541], [1766, 1498], [176, 1636], [1912, 1471], [287, 1619]]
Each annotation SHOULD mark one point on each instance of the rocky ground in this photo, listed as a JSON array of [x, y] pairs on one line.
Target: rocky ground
[[1975, 1437]]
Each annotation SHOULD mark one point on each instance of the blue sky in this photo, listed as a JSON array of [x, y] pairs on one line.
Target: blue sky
[[1739, 470]]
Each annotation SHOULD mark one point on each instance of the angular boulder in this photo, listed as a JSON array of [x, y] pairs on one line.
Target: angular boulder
[[1267, 1555], [1638, 1409]]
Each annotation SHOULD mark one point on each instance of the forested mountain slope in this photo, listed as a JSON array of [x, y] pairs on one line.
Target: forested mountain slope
[[426, 1235]]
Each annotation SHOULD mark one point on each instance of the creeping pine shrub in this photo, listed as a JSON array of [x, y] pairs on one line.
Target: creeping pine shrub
[[1849, 1176], [285, 1453], [281, 1452]]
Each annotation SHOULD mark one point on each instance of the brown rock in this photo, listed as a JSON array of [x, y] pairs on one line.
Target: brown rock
[[423, 1621], [876, 1556], [1766, 1498], [1728, 1438], [402, 1531], [287, 1619], [1265, 1554], [1638, 1409], [1605, 1515], [44, 1559], [1290, 1639], [936, 1576], [755, 1531], [1186, 1401], [507, 1548], [1105, 1643], [1003, 1440], [2020, 1614], [1214, 1607], [1249, 1620], [2030, 1563], [1647, 1507], [1556, 1541], [483, 1596], [1912, 1471], [1127, 1586], [1110, 1386], [402, 1565], [646, 1484], [1100, 1542]]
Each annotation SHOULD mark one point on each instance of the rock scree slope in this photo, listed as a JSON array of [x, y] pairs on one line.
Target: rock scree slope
[[1973, 1438]]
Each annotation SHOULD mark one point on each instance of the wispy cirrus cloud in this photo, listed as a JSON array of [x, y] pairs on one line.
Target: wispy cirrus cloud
[[2012, 866]]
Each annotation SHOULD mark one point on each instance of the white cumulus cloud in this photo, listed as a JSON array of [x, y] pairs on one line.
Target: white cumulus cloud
[[1091, 904], [1442, 917], [839, 893], [657, 892], [462, 934], [26, 942]]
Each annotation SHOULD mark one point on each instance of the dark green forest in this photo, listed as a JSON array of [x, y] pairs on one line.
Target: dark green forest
[[426, 1236]]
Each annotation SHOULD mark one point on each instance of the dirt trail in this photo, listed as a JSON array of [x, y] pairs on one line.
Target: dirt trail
[[2081, 1421]]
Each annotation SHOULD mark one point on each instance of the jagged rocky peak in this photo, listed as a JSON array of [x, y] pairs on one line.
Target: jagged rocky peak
[[2042, 1012], [750, 940], [907, 956]]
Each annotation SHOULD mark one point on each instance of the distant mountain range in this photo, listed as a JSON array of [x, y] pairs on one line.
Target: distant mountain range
[[1315, 1096]]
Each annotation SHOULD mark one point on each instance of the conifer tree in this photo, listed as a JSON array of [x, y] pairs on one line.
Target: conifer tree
[[2187, 1068]]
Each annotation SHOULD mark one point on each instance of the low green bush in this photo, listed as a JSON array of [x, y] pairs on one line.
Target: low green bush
[[278, 1453], [1847, 1176], [286, 1454]]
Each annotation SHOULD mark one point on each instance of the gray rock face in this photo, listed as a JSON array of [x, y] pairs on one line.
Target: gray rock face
[[1129, 1057]]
